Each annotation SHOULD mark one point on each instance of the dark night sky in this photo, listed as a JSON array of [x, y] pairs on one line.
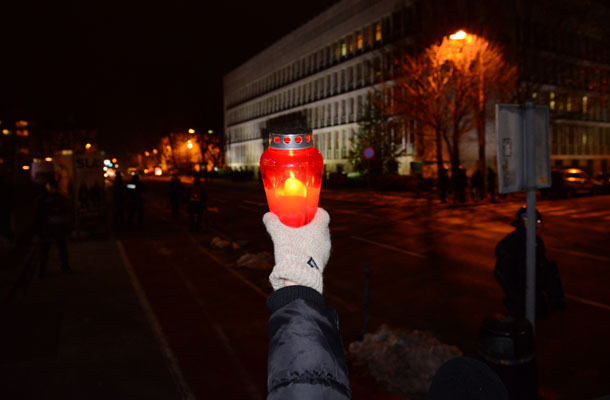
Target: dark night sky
[[132, 70]]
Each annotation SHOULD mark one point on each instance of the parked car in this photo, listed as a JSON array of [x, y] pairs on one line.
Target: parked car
[[576, 181], [601, 183]]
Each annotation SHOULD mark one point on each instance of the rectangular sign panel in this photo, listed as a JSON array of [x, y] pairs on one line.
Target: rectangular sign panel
[[510, 131]]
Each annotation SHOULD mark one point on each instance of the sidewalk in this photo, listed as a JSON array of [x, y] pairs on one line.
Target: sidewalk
[[81, 336]]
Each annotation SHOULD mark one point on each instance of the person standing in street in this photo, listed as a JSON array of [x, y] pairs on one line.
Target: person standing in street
[[510, 271], [491, 183], [477, 183], [118, 196], [443, 184], [197, 204], [51, 221], [135, 203], [175, 195]]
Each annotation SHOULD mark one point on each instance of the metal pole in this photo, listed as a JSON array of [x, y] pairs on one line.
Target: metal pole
[[530, 170]]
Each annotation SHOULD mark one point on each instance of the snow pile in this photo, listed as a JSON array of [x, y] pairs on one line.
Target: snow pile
[[404, 361], [262, 260], [218, 243]]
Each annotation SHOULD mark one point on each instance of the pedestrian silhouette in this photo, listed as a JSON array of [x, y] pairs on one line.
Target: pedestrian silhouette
[[443, 184], [197, 201], [175, 195], [51, 220], [118, 196], [477, 184], [135, 203], [510, 271]]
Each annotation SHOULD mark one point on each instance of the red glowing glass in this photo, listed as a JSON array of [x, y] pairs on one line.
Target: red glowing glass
[[292, 171]]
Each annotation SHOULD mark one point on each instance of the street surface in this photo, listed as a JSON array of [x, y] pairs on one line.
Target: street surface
[[431, 269]]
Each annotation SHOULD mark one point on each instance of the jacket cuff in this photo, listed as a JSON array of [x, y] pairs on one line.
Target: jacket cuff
[[287, 294]]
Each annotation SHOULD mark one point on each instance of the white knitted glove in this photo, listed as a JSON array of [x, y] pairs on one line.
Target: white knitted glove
[[300, 253]]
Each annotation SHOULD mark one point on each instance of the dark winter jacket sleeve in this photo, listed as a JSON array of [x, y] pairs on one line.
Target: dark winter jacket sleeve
[[306, 359]]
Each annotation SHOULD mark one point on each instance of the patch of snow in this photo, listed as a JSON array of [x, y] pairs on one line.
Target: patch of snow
[[404, 361]]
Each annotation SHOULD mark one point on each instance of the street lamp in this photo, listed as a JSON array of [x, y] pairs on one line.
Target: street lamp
[[459, 35], [191, 131], [292, 171], [189, 144], [87, 146]]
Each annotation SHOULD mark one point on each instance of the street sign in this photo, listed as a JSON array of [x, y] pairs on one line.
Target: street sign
[[512, 149], [524, 164], [369, 153]]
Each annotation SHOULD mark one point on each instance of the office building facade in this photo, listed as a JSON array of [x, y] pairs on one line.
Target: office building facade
[[323, 72]]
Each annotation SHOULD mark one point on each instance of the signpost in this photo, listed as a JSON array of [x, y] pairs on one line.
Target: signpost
[[524, 164]]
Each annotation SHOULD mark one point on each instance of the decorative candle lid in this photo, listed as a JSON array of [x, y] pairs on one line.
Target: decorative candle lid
[[290, 139]]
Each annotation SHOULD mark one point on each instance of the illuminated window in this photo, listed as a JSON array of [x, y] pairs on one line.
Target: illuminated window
[[378, 32], [569, 104], [359, 40], [552, 101], [584, 104], [350, 41], [343, 48], [22, 132]]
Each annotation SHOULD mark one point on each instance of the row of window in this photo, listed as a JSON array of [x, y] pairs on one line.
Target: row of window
[[323, 58], [580, 140], [400, 23], [569, 105], [365, 73]]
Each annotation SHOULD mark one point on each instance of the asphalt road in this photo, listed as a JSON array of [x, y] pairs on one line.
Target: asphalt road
[[431, 269]]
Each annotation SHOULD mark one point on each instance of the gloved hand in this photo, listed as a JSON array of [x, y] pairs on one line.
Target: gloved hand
[[300, 253]]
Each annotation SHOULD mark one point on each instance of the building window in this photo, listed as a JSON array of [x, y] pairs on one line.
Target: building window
[[350, 43], [584, 104], [359, 40], [378, 32], [552, 100], [335, 52], [343, 48], [369, 36]]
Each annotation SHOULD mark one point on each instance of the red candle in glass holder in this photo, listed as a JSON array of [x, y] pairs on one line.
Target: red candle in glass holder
[[292, 170]]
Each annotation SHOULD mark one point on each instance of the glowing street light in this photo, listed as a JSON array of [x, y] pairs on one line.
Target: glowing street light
[[114, 160], [292, 176], [459, 35], [155, 151], [146, 153], [6, 132], [189, 144], [210, 131], [87, 146], [191, 130], [48, 159]]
